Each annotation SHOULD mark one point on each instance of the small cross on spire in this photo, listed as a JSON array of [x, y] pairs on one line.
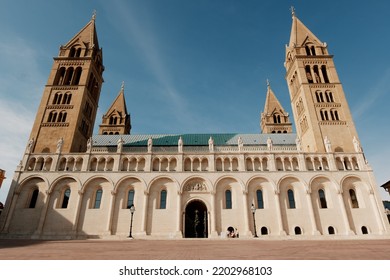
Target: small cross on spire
[[123, 86], [268, 83], [94, 15], [292, 9]]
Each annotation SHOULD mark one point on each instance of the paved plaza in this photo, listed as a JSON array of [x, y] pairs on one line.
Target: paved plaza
[[195, 249]]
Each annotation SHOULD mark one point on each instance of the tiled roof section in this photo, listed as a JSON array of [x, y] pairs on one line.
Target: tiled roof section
[[225, 139]]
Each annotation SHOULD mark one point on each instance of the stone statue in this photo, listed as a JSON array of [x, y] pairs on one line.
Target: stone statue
[[59, 145], [240, 143], [180, 145], [89, 144], [150, 144], [298, 143], [119, 145], [328, 145], [211, 144], [356, 144], [269, 143], [30, 145]]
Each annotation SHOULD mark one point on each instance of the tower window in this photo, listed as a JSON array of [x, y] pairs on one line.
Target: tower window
[[319, 96], [324, 74], [163, 199], [65, 199], [354, 201], [60, 76], [291, 199], [228, 199], [259, 197], [98, 198], [321, 195], [317, 74], [277, 118], [34, 198], [130, 198], [308, 74], [62, 117], [77, 76], [68, 76]]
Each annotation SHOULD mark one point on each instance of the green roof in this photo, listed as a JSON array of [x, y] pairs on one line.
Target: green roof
[[220, 139]]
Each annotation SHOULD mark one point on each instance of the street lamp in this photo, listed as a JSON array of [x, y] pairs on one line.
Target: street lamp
[[253, 209], [132, 210]]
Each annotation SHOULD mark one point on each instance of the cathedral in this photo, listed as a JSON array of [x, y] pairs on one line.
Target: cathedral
[[277, 184]]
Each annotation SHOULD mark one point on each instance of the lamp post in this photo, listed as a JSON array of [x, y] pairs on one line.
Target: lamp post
[[253, 209], [132, 210]]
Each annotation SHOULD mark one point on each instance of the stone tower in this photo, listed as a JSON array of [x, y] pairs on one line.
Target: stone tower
[[274, 119], [320, 109], [70, 98], [116, 120]]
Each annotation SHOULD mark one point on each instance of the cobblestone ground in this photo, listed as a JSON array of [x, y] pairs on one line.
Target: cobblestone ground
[[194, 249]]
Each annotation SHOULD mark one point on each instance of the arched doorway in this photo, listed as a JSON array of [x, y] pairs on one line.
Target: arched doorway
[[196, 220]]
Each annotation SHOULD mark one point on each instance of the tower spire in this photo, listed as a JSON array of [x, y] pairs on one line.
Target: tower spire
[[319, 105], [116, 120], [274, 119]]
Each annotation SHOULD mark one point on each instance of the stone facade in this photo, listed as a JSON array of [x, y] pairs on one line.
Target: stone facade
[[315, 184]]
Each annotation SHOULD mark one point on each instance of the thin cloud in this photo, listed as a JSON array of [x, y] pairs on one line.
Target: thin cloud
[[147, 41], [21, 85], [380, 88]]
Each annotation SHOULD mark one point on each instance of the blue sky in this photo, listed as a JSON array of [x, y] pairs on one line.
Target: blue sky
[[194, 66]]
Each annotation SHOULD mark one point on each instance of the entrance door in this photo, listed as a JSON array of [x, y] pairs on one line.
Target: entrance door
[[196, 220]]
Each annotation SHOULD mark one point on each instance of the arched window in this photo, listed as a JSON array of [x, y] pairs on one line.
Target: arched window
[[297, 230], [354, 201], [98, 198], [364, 230], [228, 199], [60, 76], [163, 199], [307, 50], [264, 231], [321, 195], [331, 230], [130, 198], [76, 76], [329, 96], [324, 74], [259, 197], [276, 118], [55, 98], [72, 52], [34, 198], [316, 74], [326, 115], [65, 199], [313, 50], [308, 74], [62, 117], [291, 200], [51, 117], [68, 76]]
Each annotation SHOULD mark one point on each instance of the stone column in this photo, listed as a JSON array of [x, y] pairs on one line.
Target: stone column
[[311, 213], [282, 232], [246, 231], [379, 221], [42, 218], [78, 209], [145, 212], [179, 215], [344, 215], [111, 212], [10, 212], [213, 216]]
